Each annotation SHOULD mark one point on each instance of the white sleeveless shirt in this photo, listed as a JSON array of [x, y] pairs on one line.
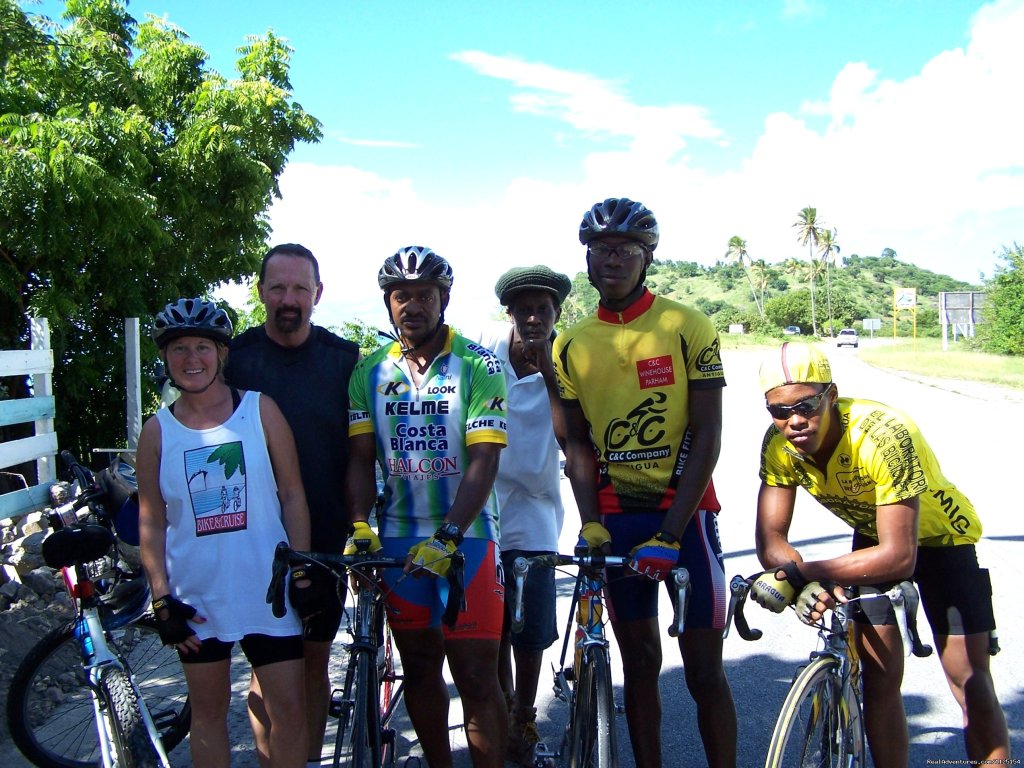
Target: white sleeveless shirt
[[223, 522]]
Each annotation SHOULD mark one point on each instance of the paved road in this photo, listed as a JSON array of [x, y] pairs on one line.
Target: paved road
[[969, 430]]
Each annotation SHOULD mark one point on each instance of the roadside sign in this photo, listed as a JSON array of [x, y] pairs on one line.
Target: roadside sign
[[905, 298]]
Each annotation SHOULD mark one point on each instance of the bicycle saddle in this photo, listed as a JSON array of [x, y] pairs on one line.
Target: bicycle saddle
[[79, 544]]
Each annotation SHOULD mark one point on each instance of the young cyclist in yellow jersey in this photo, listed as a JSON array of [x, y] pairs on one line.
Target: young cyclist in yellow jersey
[[869, 465], [641, 386]]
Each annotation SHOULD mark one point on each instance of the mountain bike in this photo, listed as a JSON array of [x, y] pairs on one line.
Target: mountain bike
[[366, 704], [821, 722], [75, 699], [585, 686]]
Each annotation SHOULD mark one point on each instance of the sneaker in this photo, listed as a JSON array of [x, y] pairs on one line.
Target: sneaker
[[523, 737]]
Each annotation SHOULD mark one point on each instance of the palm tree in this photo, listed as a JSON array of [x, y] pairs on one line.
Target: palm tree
[[763, 275], [737, 251], [828, 247], [809, 234]]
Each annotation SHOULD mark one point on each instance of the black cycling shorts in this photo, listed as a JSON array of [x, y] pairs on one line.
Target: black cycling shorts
[[260, 650], [323, 626], [956, 593]]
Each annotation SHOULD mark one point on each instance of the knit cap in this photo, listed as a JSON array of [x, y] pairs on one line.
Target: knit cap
[[535, 278]]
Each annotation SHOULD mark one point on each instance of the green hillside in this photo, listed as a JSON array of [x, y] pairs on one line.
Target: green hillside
[[860, 287]]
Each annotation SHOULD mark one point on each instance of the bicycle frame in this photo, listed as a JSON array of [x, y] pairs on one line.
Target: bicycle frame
[[357, 705], [99, 660], [829, 684], [587, 613]]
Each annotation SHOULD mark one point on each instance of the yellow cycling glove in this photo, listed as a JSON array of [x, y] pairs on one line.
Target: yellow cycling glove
[[594, 536], [434, 555], [362, 533]]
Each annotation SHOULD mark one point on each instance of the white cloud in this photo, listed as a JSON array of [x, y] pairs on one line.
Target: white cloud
[[598, 108], [931, 166]]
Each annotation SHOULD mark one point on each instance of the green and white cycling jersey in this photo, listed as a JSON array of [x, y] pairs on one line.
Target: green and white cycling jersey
[[422, 433]]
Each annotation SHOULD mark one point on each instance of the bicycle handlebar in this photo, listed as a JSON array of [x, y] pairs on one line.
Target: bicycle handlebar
[[738, 589], [521, 566], [903, 596], [285, 557]]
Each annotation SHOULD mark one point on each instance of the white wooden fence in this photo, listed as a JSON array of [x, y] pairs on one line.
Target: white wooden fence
[[38, 409]]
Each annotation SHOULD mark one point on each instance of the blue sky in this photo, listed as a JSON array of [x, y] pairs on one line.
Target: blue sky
[[485, 130]]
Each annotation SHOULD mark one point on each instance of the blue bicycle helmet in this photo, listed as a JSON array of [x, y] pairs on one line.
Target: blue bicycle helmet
[[621, 217], [191, 317]]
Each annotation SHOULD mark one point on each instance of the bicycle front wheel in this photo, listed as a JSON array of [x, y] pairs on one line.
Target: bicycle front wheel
[[820, 723], [358, 740], [592, 727], [127, 728], [49, 706]]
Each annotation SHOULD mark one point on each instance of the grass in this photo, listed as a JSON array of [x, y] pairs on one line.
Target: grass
[[923, 357]]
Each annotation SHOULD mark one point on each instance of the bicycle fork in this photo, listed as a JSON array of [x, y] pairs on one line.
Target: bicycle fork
[[99, 660]]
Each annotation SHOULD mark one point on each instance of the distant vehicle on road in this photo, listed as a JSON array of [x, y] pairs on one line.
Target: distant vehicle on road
[[791, 330], [848, 337]]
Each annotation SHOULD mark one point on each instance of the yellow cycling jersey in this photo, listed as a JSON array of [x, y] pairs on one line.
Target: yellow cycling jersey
[[631, 372], [881, 459]]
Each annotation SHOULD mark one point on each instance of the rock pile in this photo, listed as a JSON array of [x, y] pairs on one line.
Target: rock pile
[[32, 596]]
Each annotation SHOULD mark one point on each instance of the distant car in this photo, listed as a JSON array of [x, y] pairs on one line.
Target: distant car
[[791, 330], [848, 338]]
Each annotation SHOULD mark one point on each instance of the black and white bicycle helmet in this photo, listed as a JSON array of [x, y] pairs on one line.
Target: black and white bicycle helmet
[[415, 264], [621, 217], [191, 317]]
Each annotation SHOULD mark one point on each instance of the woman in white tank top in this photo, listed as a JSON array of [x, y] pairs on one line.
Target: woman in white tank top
[[219, 486]]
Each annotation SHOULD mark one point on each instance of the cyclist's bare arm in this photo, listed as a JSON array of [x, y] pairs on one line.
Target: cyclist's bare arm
[[539, 352], [580, 464], [771, 532], [360, 480], [152, 508], [892, 559], [705, 420], [476, 485], [285, 461]]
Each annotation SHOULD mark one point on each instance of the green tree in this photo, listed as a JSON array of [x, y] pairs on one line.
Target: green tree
[[809, 233], [737, 252], [1003, 329], [828, 248], [362, 333], [792, 308], [581, 302], [131, 174]]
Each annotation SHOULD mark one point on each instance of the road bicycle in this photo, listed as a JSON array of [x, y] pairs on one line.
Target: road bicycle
[[76, 698], [585, 685], [821, 722], [366, 704]]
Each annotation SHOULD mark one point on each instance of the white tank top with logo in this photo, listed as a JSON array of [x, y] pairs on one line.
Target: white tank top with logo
[[223, 522]]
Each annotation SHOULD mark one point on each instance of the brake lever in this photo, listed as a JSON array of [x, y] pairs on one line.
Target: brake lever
[[456, 589], [275, 592]]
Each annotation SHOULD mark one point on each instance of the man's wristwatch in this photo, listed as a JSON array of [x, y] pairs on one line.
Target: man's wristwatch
[[665, 537], [449, 532]]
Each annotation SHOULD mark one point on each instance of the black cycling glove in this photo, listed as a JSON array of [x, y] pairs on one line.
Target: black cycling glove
[[315, 597], [174, 628]]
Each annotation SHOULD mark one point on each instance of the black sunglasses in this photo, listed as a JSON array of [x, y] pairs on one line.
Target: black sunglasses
[[805, 408]]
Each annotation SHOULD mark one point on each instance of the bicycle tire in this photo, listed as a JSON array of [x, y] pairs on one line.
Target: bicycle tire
[[819, 724], [131, 742], [358, 743], [592, 729], [49, 705]]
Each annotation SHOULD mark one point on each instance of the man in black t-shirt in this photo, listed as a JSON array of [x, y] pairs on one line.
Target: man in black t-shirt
[[305, 369]]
